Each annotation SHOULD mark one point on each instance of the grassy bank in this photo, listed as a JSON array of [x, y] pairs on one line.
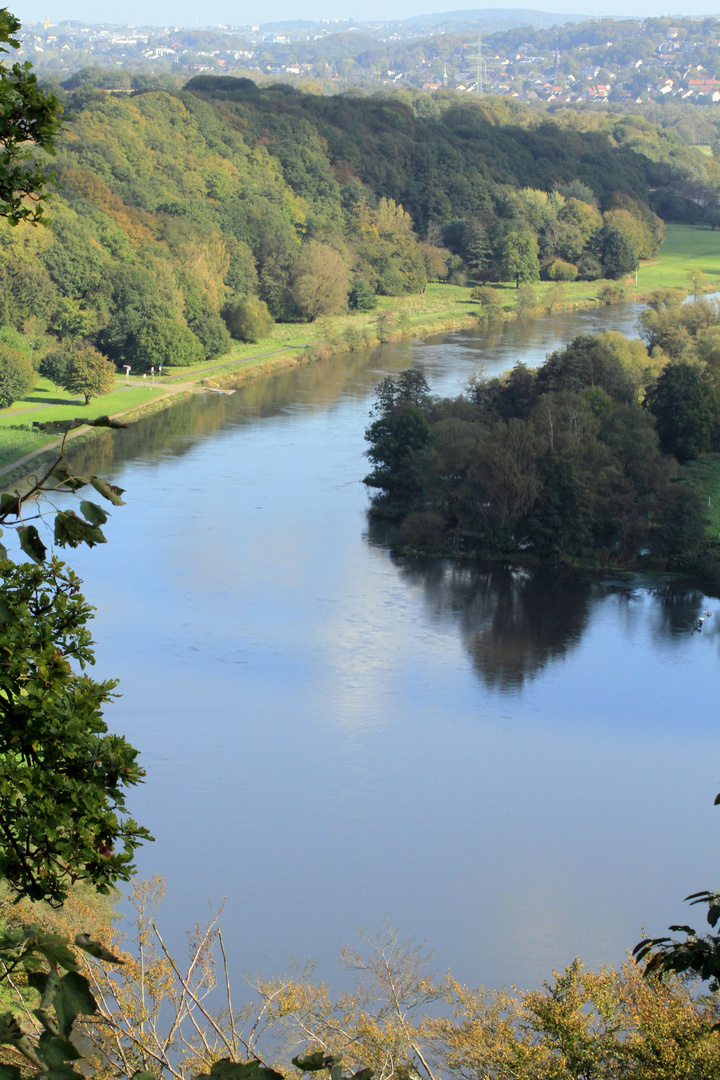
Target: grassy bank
[[441, 308]]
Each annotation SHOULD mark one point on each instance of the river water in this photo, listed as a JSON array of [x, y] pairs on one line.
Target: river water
[[514, 768]]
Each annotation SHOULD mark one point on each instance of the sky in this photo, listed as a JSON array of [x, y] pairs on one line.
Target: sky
[[253, 12]]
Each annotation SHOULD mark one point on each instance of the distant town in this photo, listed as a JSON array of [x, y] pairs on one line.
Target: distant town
[[597, 61]]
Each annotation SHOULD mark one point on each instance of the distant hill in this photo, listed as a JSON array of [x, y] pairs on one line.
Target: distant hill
[[488, 19], [491, 20]]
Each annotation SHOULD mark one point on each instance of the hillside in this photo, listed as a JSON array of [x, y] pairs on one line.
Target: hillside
[[183, 218]]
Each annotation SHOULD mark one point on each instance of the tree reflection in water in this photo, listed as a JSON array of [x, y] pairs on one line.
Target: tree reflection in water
[[514, 621]]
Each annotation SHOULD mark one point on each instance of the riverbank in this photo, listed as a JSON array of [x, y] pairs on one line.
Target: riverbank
[[442, 308]]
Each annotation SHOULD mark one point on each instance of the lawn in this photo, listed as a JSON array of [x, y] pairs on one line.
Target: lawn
[[705, 472], [685, 247], [45, 402]]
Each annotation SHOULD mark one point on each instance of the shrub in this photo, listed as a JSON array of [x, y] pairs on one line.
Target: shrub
[[362, 297], [559, 270], [589, 268], [489, 301], [422, 530], [613, 293]]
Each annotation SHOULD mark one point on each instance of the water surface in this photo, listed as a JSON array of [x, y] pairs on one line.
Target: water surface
[[515, 768]]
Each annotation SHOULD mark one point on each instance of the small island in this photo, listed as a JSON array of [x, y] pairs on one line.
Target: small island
[[602, 456]]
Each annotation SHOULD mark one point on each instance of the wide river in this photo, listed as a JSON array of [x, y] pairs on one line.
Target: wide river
[[514, 768]]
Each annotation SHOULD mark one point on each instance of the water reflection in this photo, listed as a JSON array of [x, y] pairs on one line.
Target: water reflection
[[515, 621]]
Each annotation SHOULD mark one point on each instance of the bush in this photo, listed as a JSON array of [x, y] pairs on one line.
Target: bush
[[423, 531], [17, 377], [211, 332], [248, 319], [489, 301], [613, 293], [559, 270], [589, 268]]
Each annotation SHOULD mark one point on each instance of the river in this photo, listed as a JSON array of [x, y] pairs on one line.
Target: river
[[514, 768]]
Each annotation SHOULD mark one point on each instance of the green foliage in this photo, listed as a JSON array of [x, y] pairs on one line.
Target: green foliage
[[70, 320], [361, 296], [618, 255], [248, 319], [53, 833], [29, 118], [518, 257], [87, 372], [561, 463], [558, 270], [321, 281], [54, 365], [686, 405], [17, 377]]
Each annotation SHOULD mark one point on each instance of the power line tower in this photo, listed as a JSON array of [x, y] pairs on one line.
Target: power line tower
[[479, 60]]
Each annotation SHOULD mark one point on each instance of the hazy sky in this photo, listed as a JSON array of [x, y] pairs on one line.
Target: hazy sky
[[209, 12]]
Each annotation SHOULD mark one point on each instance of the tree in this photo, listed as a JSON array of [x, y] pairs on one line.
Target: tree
[[477, 251], [71, 320], [62, 780], [17, 377], [29, 118], [248, 318], [89, 373], [321, 281], [519, 257], [618, 255], [362, 296], [686, 408]]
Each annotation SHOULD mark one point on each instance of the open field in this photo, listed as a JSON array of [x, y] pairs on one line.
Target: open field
[[705, 472], [441, 307]]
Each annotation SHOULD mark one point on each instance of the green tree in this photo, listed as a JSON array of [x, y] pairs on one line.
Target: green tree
[[618, 255], [63, 778], [89, 373], [518, 257], [362, 296], [686, 408], [477, 251], [71, 320], [29, 118], [248, 318], [17, 377]]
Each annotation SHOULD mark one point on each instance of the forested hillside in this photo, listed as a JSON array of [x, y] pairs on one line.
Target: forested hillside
[[184, 218]]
